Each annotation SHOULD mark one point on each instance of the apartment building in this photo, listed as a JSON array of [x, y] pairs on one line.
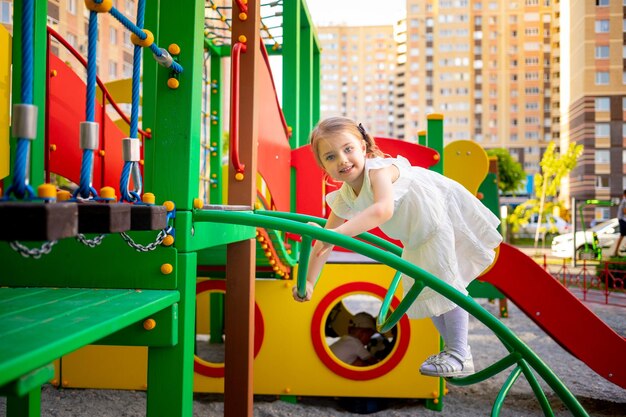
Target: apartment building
[[357, 68], [597, 107], [70, 18]]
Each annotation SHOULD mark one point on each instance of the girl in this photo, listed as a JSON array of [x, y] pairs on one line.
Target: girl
[[444, 229]]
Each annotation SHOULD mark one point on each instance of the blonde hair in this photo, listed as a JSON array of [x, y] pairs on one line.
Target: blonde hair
[[334, 126]]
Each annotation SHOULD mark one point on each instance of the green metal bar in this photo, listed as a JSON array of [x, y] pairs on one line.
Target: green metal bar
[[305, 253], [465, 302], [421, 137], [497, 404], [306, 83], [488, 372], [28, 405], [534, 384]]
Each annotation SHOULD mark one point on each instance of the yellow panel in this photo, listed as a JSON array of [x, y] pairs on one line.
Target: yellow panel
[[120, 90], [5, 92], [107, 367], [467, 163], [288, 341]]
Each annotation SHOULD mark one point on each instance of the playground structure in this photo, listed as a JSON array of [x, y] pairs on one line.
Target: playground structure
[[226, 240]]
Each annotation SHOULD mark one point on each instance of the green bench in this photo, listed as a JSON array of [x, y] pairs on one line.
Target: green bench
[[39, 325]]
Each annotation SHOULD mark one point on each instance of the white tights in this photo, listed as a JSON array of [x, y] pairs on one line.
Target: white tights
[[453, 328]]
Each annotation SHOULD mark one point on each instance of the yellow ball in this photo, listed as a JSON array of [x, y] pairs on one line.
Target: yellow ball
[[173, 49], [63, 195], [169, 205], [145, 43], [168, 241], [239, 176], [173, 83], [149, 324], [167, 269], [198, 203], [103, 7]]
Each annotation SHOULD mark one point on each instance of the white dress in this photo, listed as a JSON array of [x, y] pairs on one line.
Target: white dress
[[444, 229]]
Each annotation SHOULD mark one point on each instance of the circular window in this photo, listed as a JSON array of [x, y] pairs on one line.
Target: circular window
[[209, 358], [330, 324]]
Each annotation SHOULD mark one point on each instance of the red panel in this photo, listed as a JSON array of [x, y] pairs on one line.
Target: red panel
[[274, 157], [559, 313], [65, 113]]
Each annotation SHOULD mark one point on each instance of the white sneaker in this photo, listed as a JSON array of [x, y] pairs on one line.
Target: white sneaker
[[448, 364]]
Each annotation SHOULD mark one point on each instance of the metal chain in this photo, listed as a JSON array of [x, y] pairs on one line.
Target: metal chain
[[35, 253], [151, 246], [92, 243]]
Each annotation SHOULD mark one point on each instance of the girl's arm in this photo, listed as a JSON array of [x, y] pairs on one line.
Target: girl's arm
[[319, 255], [382, 209]]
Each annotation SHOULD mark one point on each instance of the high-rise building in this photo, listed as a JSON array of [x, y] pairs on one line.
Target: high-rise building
[[597, 104], [357, 72], [488, 67]]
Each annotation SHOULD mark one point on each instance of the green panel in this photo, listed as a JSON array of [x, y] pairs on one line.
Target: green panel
[[170, 376], [112, 264], [164, 334], [479, 289], [40, 332], [435, 140], [28, 382], [206, 235], [291, 68], [172, 156], [216, 134], [25, 406], [491, 198], [306, 84]]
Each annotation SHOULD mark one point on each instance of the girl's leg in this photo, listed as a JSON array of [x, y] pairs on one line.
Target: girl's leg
[[456, 326], [440, 324]]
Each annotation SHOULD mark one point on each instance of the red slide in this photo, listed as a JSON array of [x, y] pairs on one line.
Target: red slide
[[559, 313]]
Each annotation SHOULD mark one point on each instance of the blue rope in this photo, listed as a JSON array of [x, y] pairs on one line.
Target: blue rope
[[20, 185], [124, 181], [140, 33]]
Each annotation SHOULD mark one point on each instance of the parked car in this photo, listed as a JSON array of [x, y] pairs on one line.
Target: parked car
[[607, 233], [550, 224]]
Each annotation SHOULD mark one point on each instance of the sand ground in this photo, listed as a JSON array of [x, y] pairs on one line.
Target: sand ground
[[598, 396]]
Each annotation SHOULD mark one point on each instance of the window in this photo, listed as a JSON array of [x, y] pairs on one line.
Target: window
[[602, 26], [602, 77], [602, 52], [603, 156], [6, 12], [603, 104], [602, 181], [112, 70], [112, 36], [602, 2], [603, 130], [71, 6]]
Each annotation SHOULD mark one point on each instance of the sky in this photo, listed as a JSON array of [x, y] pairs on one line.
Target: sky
[[356, 12]]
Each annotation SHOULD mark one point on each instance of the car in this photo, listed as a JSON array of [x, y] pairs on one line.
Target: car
[[607, 233], [551, 224]]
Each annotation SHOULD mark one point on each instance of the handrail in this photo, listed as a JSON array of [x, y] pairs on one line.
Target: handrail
[[105, 91], [508, 338], [238, 48]]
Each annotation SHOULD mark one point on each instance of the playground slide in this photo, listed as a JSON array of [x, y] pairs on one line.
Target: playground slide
[[559, 313]]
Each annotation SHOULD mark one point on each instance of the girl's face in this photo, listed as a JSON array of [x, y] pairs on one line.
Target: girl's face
[[343, 158]]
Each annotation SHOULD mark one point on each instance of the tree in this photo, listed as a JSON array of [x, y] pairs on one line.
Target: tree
[[554, 167], [510, 172]]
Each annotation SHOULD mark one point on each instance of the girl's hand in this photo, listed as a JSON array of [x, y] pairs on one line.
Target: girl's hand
[[309, 292]]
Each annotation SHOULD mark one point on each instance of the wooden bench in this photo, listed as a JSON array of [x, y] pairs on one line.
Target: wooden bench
[[39, 325]]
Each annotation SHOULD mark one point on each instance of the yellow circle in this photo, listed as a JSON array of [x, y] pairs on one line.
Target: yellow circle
[[169, 205], [239, 176], [136, 40], [101, 152], [47, 191], [242, 39], [107, 192], [167, 269], [198, 203], [168, 241], [149, 324], [53, 148], [103, 7], [243, 16], [173, 49], [173, 83]]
